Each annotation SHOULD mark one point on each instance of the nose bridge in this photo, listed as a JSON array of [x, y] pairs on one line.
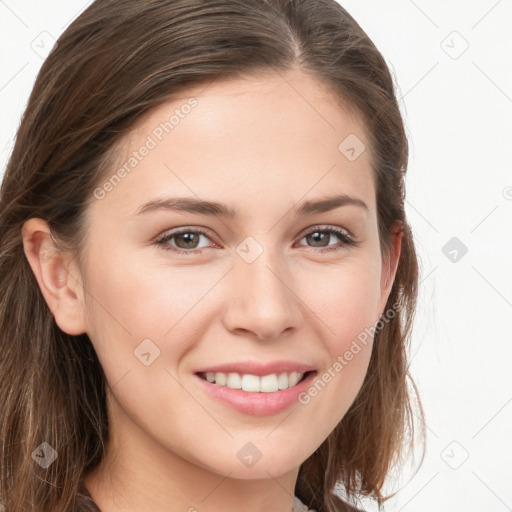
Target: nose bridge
[[264, 302]]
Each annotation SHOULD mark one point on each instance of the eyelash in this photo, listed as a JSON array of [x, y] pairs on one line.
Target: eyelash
[[346, 239]]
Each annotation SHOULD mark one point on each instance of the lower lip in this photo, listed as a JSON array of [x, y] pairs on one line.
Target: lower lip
[[257, 404]]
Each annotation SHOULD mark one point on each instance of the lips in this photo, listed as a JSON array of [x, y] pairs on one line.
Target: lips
[[260, 369], [256, 377], [256, 388]]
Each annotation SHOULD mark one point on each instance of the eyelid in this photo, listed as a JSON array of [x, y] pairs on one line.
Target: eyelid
[[347, 239], [161, 239], [207, 232], [321, 227]]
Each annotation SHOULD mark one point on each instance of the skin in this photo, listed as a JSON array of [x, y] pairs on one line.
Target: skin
[[262, 147]]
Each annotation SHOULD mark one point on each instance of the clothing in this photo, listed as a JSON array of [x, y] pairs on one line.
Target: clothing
[[298, 506]]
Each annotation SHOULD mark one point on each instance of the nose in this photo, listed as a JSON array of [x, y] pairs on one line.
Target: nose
[[261, 298]]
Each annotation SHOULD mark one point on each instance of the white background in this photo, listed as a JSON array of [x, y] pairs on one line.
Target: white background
[[458, 108]]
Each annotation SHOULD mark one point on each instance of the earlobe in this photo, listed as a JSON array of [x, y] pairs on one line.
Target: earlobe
[[59, 282]]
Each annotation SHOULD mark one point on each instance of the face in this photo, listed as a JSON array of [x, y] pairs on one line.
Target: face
[[269, 284]]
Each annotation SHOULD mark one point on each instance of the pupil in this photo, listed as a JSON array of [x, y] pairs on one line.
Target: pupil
[[317, 235], [188, 236]]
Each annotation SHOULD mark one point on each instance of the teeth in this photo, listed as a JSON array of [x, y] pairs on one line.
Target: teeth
[[282, 381], [253, 383], [234, 381], [268, 383], [250, 383], [294, 378], [220, 378]]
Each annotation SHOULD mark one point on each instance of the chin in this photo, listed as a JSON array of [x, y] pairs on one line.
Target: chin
[[250, 463], [263, 471]]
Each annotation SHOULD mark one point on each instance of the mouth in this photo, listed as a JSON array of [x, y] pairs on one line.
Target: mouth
[[270, 383], [254, 388]]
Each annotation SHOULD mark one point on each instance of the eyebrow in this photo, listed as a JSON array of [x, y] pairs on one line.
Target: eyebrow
[[192, 205]]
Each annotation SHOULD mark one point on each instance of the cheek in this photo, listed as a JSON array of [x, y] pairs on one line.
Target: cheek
[[175, 307], [347, 306], [345, 298], [131, 303]]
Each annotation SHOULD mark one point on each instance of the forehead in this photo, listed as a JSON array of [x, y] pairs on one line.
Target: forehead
[[266, 137]]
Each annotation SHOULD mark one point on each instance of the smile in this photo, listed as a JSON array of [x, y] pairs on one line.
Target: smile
[[270, 383], [254, 388]]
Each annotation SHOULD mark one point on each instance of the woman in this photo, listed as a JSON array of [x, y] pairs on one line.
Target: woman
[[208, 278]]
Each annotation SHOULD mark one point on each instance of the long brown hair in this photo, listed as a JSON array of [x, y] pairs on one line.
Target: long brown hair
[[115, 62]]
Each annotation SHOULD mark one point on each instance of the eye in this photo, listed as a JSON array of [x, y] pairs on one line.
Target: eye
[[322, 235], [187, 238]]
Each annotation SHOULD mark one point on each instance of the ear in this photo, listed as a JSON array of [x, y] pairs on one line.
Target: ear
[[58, 278], [390, 264]]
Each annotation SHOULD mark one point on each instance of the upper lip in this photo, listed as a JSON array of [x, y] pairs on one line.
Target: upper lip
[[256, 368]]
